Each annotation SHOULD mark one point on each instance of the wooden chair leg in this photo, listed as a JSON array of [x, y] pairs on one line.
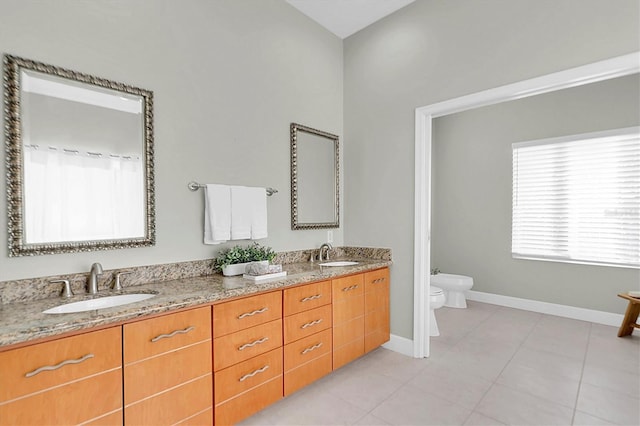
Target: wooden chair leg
[[630, 319]]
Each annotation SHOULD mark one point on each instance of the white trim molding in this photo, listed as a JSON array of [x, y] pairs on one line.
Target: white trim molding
[[591, 73], [582, 314], [400, 344]]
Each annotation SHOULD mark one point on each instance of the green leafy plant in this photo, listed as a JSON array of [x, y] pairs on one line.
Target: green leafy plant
[[239, 254]]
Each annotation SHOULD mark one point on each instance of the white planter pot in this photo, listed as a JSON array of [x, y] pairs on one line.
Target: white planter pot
[[238, 268]]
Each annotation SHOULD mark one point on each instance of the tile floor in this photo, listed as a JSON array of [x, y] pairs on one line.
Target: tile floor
[[490, 366]]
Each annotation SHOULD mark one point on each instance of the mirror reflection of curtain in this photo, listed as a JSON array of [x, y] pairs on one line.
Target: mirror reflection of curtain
[[71, 196]]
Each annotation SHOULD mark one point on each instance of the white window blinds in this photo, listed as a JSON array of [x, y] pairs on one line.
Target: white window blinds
[[577, 198]]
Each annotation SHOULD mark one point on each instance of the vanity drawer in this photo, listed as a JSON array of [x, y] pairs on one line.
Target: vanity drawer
[[173, 406], [376, 279], [306, 323], [347, 287], [154, 375], [307, 349], [242, 345], [84, 355], [307, 374], [248, 403], [155, 336], [73, 403], [241, 377], [230, 317], [306, 297]]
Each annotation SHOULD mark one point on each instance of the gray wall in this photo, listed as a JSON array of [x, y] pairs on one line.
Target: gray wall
[[228, 78], [435, 50], [471, 193]]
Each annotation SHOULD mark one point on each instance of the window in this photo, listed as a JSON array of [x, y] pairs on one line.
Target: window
[[577, 198]]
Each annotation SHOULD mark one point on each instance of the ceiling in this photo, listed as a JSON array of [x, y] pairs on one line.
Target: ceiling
[[346, 17]]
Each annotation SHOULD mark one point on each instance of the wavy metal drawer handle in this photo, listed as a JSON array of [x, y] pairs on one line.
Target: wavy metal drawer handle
[[351, 287], [249, 375], [250, 314], [310, 324], [378, 280], [314, 297], [311, 348], [249, 345], [62, 364], [173, 333]]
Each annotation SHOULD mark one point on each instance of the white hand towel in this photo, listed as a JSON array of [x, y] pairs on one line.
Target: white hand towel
[[259, 216], [241, 212], [217, 214]]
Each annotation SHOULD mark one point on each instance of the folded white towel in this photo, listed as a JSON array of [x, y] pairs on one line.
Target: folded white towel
[[259, 213], [217, 214], [248, 213]]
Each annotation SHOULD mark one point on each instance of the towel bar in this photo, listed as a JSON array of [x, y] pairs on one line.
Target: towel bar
[[194, 186]]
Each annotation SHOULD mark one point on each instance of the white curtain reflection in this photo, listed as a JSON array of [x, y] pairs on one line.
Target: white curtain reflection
[[79, 196]]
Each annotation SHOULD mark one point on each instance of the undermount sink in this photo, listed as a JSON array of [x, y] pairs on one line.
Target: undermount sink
[[99, 303], [339, 263]]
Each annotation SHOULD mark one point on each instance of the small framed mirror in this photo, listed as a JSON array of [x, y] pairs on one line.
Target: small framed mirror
[[315, 178], [79, 161]]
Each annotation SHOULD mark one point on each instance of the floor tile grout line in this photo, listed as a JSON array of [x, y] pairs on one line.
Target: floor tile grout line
[[584, 363]]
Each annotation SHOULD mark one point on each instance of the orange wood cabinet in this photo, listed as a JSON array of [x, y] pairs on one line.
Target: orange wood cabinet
[[307, 334], [81, 381], [247, 356], [167, 369], [348, 319], [376, 308]]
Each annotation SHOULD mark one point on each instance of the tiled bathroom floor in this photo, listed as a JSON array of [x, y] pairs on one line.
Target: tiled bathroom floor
[[490, 366]]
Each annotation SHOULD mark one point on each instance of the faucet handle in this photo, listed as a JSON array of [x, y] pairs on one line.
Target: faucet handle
[[117, 284], [66, 288]]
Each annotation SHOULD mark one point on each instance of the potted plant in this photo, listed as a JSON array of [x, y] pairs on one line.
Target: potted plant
[[234, 260]]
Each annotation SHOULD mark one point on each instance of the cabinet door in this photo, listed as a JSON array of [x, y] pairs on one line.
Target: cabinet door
[[348, 319], [43, 383], [376, 300], [167, 371]]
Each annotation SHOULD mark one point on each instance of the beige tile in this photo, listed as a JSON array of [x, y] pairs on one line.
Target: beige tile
[[371, 420], [484, 365], [584, 419], [609, 405], [477, 419], [548, 363], [619, 353], [560, 335], [514, 407], [612, 379], [365, 390], [413, 406], [462, 389], [388, 363]]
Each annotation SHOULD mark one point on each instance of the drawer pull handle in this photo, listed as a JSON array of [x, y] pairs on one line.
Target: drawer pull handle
[[250, 314], [62, 364], [351, 287], [378, 280], [311, 324], [311, 348], [314, 297], [173, 333], [249, 375], [249, 345]]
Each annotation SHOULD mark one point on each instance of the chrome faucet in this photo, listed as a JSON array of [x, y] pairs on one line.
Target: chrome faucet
[[92, 285], [322, 247]]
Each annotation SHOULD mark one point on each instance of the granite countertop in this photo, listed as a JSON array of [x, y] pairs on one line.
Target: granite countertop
[[24, 321]]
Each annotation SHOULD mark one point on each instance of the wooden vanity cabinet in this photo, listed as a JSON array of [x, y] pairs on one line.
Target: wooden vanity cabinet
[[71, 380], [307, 334], [348, 319], [167, 369], [376, 308], [247, 356]]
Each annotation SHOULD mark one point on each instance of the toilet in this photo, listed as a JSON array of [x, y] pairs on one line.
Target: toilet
[[436, 301], [454, 287]]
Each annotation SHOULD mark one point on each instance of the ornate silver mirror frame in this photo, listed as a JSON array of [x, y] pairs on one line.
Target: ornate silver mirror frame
[[14, 69], [315, 178]]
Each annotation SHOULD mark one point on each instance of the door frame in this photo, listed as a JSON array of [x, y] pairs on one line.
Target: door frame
[[591, 73]]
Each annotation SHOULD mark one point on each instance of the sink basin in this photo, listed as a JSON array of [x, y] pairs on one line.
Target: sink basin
[[99, 303], [339, 263]]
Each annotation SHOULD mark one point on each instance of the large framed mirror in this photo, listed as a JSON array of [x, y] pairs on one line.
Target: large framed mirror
[[315, 178], [80, 173]]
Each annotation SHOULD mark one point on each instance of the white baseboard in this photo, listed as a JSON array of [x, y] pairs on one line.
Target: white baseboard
[[400, 344], [599, 317]]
